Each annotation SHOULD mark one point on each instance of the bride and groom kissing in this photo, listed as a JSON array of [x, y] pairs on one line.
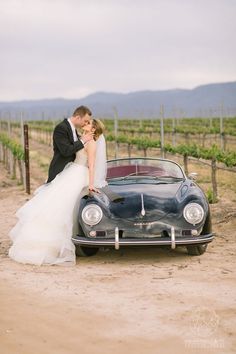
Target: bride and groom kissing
[[42, 234]]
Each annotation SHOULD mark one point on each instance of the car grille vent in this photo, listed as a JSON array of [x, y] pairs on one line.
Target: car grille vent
[[164, 233], [186, 233], [120, 233], [100, 233]]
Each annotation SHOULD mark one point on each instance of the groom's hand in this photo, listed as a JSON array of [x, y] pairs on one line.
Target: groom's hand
[[87, 137]]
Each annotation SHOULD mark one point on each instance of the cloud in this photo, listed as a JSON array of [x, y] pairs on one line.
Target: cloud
[[69, 48]]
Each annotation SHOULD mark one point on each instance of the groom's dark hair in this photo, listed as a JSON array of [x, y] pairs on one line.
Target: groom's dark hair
[[81, 111]]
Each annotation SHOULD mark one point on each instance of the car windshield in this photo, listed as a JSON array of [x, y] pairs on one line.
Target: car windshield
[[144, 170]]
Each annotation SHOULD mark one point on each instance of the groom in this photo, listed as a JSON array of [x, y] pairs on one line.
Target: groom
[[66, 141]]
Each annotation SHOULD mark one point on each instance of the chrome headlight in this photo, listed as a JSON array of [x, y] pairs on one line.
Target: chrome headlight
[[92, 214], [193, 213]]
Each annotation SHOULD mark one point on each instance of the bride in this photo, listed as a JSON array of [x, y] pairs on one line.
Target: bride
[[45, 224]]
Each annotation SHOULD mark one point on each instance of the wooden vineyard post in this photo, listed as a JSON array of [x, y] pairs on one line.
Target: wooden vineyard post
[[21, 164], [22, 128], [129, 147], [213, 179], [9, 127], [14, 168], [186, 164], [21, 171], [211, 114], [173, 132], [162, 130], [26, 149], [116, 132], [222, 142]]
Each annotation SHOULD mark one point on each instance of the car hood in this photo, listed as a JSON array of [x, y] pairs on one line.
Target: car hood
[[146, 201]]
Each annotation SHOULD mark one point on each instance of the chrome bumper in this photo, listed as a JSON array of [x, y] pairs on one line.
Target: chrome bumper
[[117, 242]]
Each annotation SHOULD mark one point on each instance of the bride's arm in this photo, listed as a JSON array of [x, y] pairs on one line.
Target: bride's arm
[[91, 151]]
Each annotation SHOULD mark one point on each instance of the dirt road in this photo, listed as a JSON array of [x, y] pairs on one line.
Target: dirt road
[[131, 301]]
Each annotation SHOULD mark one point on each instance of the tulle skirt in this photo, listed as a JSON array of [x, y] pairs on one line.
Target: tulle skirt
[[46, 223]]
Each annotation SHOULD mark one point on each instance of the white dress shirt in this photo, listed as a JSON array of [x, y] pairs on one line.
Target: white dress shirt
[[73, 130]]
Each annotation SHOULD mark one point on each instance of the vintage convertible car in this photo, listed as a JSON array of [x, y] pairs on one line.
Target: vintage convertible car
[[148, 201]]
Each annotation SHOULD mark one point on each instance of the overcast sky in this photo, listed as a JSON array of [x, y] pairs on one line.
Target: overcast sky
[[70, 48]]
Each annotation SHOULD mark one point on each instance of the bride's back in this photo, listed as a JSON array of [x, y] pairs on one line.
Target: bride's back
[[81, 157]]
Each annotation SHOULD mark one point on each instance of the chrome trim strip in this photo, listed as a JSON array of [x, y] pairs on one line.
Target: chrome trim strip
[[143, 212]]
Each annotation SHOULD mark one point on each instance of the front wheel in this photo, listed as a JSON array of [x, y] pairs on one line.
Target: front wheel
[[82, 251], [196, 250]]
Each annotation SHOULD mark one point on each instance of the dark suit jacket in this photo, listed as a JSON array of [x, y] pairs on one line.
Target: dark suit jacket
[[64, 148]]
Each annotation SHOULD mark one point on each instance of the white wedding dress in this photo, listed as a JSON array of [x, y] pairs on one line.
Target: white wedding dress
[[46, 223]]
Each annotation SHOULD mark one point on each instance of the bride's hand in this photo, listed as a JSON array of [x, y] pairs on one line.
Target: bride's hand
[[93, 189]]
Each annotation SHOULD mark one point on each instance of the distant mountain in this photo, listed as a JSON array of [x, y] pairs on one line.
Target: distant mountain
[[200, 101]]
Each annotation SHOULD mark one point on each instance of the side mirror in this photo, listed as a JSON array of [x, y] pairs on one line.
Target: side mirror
[[193, 176]]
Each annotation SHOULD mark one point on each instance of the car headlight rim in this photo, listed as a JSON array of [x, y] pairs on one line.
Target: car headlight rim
[[193, 213], [92, 214]]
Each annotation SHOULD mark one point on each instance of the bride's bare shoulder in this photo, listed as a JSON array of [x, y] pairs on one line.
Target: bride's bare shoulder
[[90, 145]]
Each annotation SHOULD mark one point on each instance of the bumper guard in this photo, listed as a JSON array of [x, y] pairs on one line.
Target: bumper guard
[[117, 241]]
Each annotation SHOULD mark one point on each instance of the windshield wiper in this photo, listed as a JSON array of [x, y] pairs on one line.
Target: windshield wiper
[[134, 174], [172, 177], [141, 174]]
